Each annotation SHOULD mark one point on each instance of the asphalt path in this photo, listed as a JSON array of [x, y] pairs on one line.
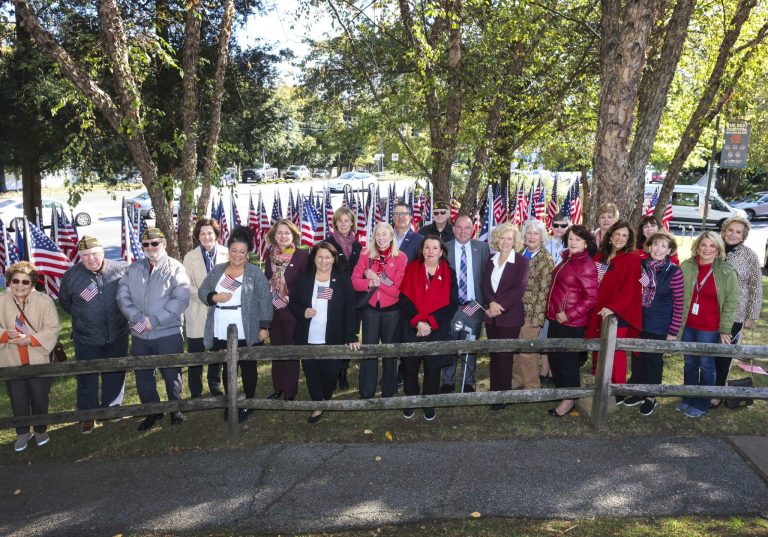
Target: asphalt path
[[330, 487]]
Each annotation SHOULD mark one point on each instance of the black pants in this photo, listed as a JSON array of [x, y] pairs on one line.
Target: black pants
[[565, 365], [249, 371], [29, 397], [723, 363], [146, 384], [195, 372], [321, 377], [378, 326], [112, 383], [432, 366], [648, 367]]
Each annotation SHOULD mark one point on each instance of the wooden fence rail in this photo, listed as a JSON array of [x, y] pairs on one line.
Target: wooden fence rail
[[601, 393]]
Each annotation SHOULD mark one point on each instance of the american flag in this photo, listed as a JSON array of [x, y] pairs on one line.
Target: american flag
[[324, 293], [362, 220], [487, 217], [291, 207], [296, 211], [426, 211], [328, 220], [264, 227], [65, 235], [130, 249], [230, 284], [499, 211], [311, 231], [539, 198], [49, 260], [90, 292], [277, 210], [278, 302], [552, 207], [20, 326], [9, 254], [602, 268], [454, 208], [222, 217], [345, 200], [386, 280], [140, 326], [521, 206], [235, 214], [652, 203], [667, 218], [470, 308], [377, 204], [389, 217], [253, 218], [566, 208], [576, 203]]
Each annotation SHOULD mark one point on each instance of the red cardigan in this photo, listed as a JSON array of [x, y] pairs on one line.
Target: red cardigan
[[621, 292]]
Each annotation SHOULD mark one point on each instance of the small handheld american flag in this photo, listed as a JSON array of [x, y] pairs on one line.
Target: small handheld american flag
[[90, 292], [386, 280], [278, 302], [20, 326], [602, 268], [230, 284], [140, 326], [644, 279], [324, 293], [470, 308]]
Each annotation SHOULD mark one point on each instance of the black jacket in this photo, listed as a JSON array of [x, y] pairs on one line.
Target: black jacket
[[98, 322], [341, 327], [347, 264]]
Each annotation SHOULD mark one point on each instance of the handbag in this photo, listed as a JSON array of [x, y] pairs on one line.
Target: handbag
[[745, 382], [57, 354]]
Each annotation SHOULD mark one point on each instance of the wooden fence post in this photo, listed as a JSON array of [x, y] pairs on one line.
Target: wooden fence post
[[231, 380], [604, 370]]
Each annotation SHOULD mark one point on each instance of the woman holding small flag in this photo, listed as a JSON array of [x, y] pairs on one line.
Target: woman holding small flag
[[379, 273], [29, 329], [323, 301], [237, 292], [285, 262]]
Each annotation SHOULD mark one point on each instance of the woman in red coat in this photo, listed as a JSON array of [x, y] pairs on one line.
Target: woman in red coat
[[620, 293]]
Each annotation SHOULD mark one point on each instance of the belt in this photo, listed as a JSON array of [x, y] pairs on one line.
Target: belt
[[228, 307]]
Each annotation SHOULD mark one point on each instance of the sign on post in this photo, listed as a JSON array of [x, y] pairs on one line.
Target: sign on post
[[735, 145], [395, 157]]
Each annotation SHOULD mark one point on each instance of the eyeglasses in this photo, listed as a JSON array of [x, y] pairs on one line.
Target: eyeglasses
[[440, 212], [401, 214], [561, 226], [154, 244], [17, 281]]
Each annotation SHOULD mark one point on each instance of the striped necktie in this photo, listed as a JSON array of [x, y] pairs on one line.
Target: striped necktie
[[463, 275]]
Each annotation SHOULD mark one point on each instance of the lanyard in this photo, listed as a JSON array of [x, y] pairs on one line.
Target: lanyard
[[699, 286]]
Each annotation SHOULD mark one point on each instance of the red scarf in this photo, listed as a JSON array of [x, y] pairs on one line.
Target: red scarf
[[428, 296]]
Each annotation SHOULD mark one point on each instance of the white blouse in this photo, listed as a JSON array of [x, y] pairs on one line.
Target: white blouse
[[499, 270], [223, 318], [319, 322]]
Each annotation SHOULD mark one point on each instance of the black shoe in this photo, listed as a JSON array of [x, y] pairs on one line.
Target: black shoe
[[430, 414], [196, 396], [314, 418], [149, 422], [648, 407], [177, 418], [553, 412], [343, 382], [631, 401], [408, 413], [275, 395], [447, 388], [468, 388], [498, 406], [216, 392], [242, 414]]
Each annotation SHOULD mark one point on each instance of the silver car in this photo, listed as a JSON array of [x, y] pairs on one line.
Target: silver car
[[143, 203], [755, 205]]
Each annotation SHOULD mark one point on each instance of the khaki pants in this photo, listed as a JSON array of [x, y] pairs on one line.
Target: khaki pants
[[525, 369]]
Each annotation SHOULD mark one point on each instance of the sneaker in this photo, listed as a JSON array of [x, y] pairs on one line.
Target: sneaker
[[648, 407], [682, 406], [41, 439], [447, 388], [177, 418], [87, 427], [429, 414], [469, 388], [408, 413], [149, 422], [21, 442], [693, 412], [632, 401], [242, 414]]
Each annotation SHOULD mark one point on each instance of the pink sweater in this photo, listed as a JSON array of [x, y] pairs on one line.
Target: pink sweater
[[388, 293]]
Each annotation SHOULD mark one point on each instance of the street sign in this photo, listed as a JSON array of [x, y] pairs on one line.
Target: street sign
[[395, 157], [735, 145]]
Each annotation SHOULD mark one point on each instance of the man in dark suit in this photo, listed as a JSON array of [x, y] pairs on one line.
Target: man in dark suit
[[441, 225], [467, 257], [408, 241]]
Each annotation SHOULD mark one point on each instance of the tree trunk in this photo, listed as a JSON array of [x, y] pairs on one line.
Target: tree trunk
[[654, 88], [3, 185], [707, 108], [30, 175], [622, 57]]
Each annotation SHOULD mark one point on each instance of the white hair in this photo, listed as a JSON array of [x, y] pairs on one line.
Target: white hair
[[537, 225]]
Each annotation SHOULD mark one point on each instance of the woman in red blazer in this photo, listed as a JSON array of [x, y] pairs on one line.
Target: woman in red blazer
[[572, 296], [505, 280], [285, 262], [620, 293]]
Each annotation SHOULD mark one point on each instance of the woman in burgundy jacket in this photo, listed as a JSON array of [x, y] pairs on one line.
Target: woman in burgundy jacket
[[572, 296], [504, 282]]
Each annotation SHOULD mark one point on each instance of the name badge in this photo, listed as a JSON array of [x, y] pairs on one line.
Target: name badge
[[695, 309]]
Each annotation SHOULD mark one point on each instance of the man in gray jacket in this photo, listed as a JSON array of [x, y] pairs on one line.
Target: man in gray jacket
[[88, 292], [153, 295]]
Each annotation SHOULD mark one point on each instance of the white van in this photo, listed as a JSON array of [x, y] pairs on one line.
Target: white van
[[688, 205]]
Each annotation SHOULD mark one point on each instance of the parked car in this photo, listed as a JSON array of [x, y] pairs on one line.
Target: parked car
[[143, 203], [688, 205], [259, 173], [755, 205], [297, 173], [321, 173], [356, 181], [12, 213], [658, 177]]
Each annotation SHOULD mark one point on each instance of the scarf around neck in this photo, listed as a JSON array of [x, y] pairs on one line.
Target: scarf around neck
[[345, 241], [428, 296]]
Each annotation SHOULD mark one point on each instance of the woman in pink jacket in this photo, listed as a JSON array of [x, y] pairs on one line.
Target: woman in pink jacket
[[379, 273]]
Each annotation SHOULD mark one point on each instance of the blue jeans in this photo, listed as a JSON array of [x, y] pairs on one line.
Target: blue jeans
[[699, 370]]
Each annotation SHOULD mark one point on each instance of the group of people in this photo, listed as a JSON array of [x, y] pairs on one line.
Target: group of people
[[406, 286]]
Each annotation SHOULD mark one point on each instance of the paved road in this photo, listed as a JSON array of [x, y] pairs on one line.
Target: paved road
[[301, 488]]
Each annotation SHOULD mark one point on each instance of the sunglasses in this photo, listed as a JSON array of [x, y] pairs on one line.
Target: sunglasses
[[441, 212], [154, 244], [562, 226], [22, 282]]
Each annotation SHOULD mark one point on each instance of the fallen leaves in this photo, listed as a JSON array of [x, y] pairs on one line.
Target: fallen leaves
[[17, 492], [475, 514], [388, 436]]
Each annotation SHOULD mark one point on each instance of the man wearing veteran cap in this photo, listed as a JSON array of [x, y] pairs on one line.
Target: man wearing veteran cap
[[153, 295], [88, 293], [440, 225]]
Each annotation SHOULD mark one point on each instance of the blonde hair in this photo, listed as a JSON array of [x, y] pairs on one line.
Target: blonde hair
[[715, 238], [608, 208], [661, 235], [22, 267], [736, 220], [373, 250], [498, 231]]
